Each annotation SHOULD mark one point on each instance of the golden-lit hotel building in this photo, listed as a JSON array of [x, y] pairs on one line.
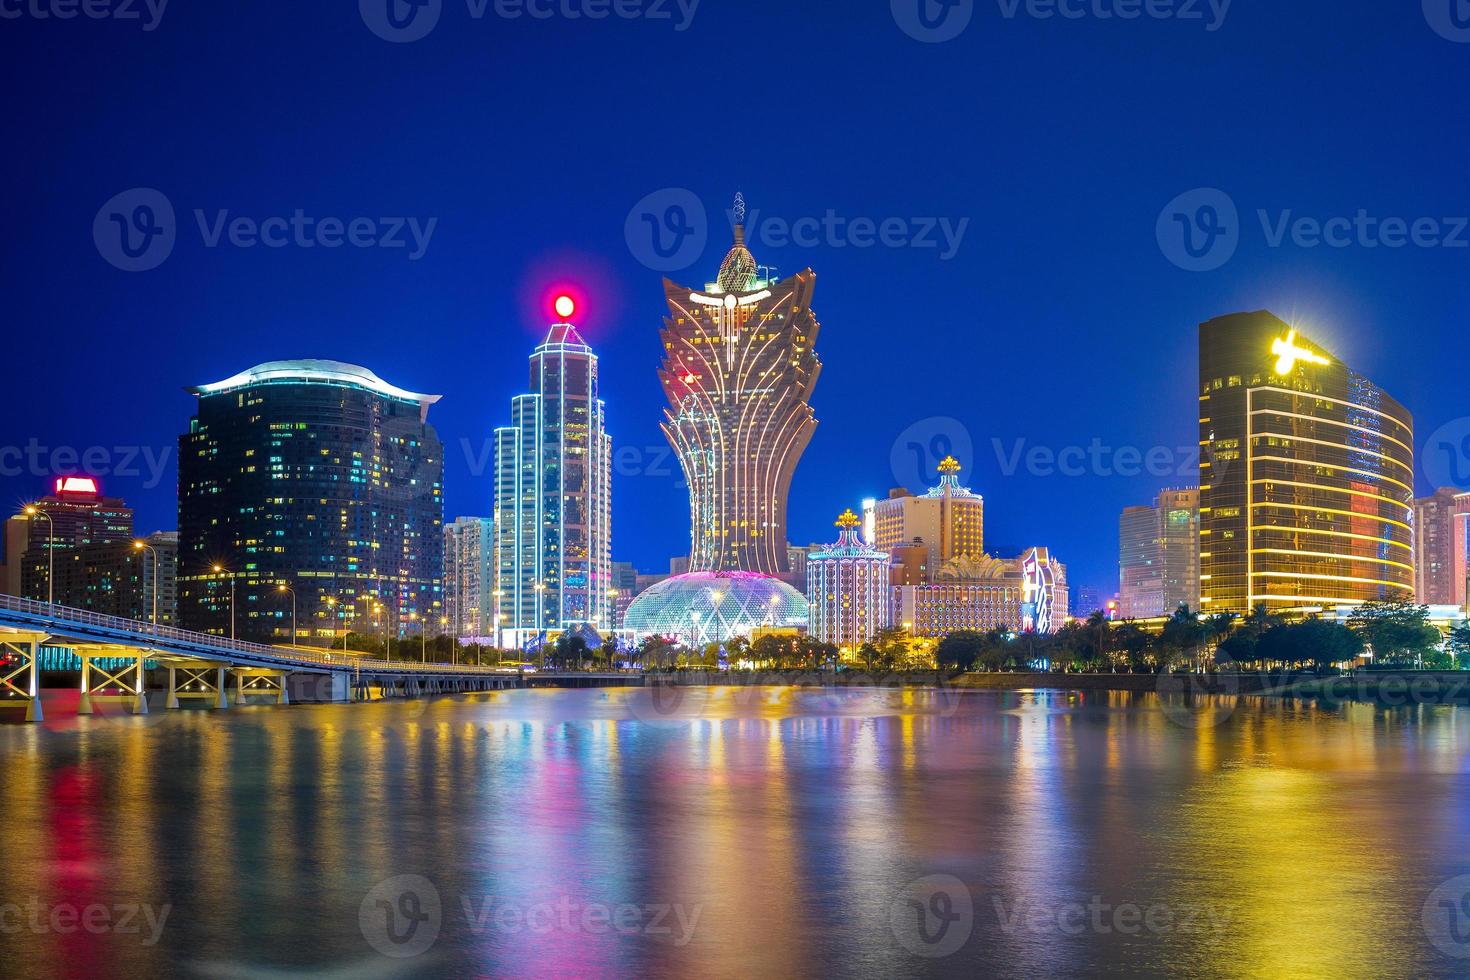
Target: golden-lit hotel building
[[951, 518], [1306, 474]]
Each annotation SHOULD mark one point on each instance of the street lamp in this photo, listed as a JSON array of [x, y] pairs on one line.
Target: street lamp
[[332, 601], [218, 570], [146, 547], [283, 587], [34, 511]]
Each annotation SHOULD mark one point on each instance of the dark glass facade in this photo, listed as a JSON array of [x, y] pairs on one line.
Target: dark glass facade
[[321, 477], [1306, 477]]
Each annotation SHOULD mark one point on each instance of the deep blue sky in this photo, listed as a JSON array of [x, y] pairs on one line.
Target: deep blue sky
[[1058, 321]]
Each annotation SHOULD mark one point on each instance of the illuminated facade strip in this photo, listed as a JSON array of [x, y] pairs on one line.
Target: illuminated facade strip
[[1334, 422], [1366, 559], [1326, 489], [1327, 510], [1336, 445], [1332, 466], [1340, 534], [1328, 578], [1354, 406]]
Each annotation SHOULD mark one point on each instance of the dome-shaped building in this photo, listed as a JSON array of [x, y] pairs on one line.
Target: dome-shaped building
[[711, 607]]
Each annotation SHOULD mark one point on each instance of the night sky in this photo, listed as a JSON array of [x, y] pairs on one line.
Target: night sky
[[1058, 320]]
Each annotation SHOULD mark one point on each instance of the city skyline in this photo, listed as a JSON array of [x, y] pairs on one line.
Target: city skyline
[[1106, 582], [506, 238]]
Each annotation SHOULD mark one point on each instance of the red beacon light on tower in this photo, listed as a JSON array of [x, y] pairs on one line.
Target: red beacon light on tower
[[76, 485], [565, 306]]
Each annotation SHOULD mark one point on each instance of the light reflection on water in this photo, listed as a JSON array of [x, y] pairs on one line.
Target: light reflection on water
[[729, 832]]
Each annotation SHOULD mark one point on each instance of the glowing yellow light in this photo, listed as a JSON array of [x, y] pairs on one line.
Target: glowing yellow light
[[1288, 353], [565, 307]]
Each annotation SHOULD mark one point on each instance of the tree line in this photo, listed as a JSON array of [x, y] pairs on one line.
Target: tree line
[[1396, 632]]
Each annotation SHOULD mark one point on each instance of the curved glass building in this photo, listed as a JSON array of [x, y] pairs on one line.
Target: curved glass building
[[1306, 474], [738, 371], [710, 607], [319, 476]]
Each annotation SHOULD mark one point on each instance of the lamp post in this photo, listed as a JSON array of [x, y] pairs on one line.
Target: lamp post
[[334, 603], [34, 511], [146, 547], [283, 587], [218, 570]]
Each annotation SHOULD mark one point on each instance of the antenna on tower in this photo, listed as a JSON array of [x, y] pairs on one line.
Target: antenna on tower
[[739, 208]]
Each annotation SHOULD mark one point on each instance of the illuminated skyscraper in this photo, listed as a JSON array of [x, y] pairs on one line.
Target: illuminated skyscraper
[[1441, 547], [74, 517], [319, 476], [739, 368], [1306, 483], [847, 589], [951, 518], [469, 577], [1158, 556], [553, 469]]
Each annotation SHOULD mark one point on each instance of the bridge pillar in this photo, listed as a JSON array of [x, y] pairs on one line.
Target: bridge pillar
[[262, 680], [197, 680], [129, 680], [20, 679]]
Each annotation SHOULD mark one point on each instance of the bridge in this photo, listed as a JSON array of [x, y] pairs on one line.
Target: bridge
[[201, 666]]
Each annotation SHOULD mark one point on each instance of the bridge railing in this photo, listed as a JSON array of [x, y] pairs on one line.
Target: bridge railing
[[58, 616]]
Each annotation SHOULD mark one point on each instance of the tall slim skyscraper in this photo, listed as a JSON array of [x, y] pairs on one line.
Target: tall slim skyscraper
[[319, 476], [469, 577], [553, 472], [1158, 556], [738, 371], [1441, 547], [1306, 486]]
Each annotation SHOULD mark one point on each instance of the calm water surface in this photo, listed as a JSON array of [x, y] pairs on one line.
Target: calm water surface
[[758, 832]]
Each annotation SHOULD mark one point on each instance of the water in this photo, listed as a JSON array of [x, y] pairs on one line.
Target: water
[[741, 832]]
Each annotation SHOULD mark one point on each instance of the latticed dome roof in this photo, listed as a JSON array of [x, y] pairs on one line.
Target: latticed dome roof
[[708, 606], [738, 272]]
